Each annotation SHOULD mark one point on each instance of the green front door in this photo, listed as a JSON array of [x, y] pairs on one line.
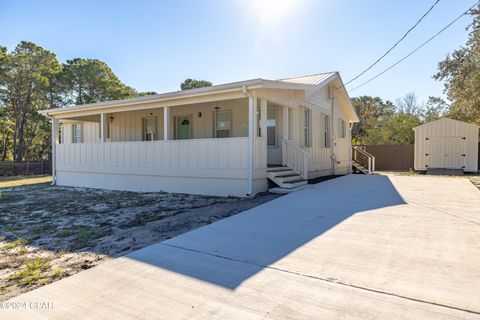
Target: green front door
[[183, 127]]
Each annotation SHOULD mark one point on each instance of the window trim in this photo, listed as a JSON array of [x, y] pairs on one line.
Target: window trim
[[343, 129], [144, 127], [74, 136], [275, 117], [307, 127], [230, 131], [326, 131]]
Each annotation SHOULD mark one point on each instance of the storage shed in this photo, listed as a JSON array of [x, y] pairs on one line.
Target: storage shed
[[446, 144]]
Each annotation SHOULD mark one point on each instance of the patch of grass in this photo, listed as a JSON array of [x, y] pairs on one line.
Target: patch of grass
[[57, 273], [14, 244], [64, 233], [7, 182], [22, 252], [33, 272], [84, 236], [141, 220]]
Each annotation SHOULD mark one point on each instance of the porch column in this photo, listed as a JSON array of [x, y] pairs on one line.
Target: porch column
[[285, 123], [103, 127], [166, 123], [263, 118], [54, 149]]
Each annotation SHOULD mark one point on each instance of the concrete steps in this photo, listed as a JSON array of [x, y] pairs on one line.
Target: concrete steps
[[285, 178], [359, 168]]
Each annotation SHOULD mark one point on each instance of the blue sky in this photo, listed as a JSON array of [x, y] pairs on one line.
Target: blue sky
[[155, 45]]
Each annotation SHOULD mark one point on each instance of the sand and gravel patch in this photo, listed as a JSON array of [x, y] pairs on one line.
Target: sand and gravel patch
[[50, 232]]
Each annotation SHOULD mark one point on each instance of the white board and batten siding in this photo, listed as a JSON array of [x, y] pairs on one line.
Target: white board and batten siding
[[197, 166], [321, 162], [446, 144]]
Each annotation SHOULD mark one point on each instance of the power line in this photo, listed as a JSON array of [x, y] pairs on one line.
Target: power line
[[401, 39], [418, 48]]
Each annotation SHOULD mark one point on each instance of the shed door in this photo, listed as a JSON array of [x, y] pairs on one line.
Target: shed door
[[446, 152], [435, 153], [455, 148]]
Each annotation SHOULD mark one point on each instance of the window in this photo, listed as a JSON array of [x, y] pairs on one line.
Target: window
[[60, 133], [326, 131], [342, 129], [149, 128], [271, 127], [77, 133], [290, 124], [223, 124], [259, 130], [306, 127]]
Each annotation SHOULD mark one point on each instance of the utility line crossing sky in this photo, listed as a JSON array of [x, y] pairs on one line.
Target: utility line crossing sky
[[155, 45]]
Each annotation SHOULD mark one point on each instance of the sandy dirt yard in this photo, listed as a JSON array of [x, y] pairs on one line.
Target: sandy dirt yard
[[49, 232]]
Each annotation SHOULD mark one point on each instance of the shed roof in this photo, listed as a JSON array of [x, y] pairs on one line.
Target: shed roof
[[446, 120]]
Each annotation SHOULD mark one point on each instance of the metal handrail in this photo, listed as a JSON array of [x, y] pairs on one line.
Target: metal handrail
[[295, 158], [369, 156]]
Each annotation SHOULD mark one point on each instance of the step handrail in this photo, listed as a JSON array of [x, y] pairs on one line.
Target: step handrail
[[295, 158], [370, 157]]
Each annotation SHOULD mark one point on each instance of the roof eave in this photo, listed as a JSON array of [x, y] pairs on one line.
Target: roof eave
[[171, 96]]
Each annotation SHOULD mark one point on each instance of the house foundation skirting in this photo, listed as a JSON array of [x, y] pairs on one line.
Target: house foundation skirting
[[155, 183]]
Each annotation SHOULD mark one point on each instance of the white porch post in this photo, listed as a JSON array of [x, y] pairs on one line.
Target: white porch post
[[103, 127], [284, 135], [285, 123], [166, 123], [54, 150], [263, 118]]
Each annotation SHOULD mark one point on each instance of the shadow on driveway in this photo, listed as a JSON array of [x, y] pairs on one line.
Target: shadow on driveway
[[267, 233]]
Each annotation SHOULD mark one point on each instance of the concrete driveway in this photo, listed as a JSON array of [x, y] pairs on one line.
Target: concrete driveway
[[356, 247]]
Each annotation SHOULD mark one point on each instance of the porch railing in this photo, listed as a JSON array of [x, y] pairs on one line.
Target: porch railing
[[295, 158], [226, 157], [364, 158]]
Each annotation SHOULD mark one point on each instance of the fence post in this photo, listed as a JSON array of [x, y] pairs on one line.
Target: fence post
[[28, 167], [13, 172], [41, 166]]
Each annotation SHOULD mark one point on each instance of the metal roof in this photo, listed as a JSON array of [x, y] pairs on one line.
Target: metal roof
[[314, 79]]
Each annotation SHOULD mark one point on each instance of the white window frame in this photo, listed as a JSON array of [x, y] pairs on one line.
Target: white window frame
[[307, 127], [215, 119], [290, 123], [274, 127], [153, 134], [326, 131], [343, 128], [77, 138]]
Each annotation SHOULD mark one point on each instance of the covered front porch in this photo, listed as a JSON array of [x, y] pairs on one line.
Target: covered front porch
[[217, 147]]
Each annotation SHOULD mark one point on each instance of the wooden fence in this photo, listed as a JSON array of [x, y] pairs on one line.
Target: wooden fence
[[392, 156], [15, 168]]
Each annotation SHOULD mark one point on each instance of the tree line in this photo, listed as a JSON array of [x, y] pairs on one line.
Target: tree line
[[32, 79]]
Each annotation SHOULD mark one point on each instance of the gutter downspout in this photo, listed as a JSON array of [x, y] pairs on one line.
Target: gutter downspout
[[332, 140], [54, 150], [251, 115]]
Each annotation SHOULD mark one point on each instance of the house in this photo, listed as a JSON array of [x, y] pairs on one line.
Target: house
[[446, 144], [218, 140]]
